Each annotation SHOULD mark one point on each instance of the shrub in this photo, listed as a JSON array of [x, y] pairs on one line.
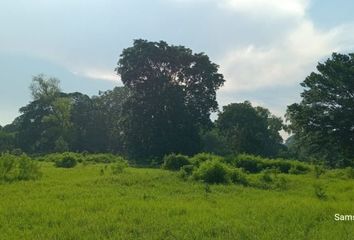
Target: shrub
[[238, 176], [175, 161], [7, 166], [186, 171], [213, 171], [249, 163], [66, 162], [266, 177], [55, 157], [320, 192], [103, 158], [319, 170], [19, 168], [119, 166], [299, 168], [256, 164], [203, 157], [28, 169], [281, 183], [270, 179]]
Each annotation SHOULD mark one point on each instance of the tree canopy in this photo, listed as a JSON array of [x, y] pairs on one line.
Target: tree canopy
[[323, 122], [173, 92], [250, 129]]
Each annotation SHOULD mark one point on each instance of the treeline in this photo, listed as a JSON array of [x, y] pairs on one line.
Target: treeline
[[164, 107]]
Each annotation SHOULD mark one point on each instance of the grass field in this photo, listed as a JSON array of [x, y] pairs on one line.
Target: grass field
[[87, 202]]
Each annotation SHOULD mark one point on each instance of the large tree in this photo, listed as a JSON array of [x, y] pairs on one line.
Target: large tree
[[249, 129], [323, 122], [173, 92]]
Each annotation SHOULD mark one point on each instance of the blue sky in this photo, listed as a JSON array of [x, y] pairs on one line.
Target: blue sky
[[265, 48]]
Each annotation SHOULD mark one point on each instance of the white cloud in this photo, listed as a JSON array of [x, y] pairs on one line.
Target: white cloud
[[268, 7], [258, 8], [100, 74], [286, 61]]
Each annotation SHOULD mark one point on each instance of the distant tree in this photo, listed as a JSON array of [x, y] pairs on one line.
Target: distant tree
[[213, 141], [173, 92], [108, 110], [323, 121], [44, 88], [249, 129], [59, 124], [7, 140], [46, 119], [97, 121]]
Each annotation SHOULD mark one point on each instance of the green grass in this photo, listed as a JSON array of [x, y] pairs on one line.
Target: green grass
[[83, 203]]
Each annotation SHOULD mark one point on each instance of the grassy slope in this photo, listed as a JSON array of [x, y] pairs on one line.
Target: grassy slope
[[80, 203]]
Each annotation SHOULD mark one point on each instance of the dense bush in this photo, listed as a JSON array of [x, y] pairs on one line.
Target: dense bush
[[57, 157], [186, 171], [271, 179], [175, 161], [256, 164], [66, 162], [19, 168], [28, 169], [119, 166], [83, 157], [103, 158], [199, 158], [213, 171], [238, 176]]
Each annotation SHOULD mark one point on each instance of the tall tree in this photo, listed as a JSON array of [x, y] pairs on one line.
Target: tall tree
[[44, 120], [324, 120], [249, 129], [173, 92]]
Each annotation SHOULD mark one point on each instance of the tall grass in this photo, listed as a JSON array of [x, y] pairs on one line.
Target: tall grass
[[82, 203]]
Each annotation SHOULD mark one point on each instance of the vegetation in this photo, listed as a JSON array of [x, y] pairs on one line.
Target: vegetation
[[323, 121], [18, 168], [165, 105], [256, 164], [175, 161], [107, 206], [250, 129], [66, 162]]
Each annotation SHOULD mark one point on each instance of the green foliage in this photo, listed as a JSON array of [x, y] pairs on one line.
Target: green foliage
[[173, 92], [215, 142], [186, 171], [249, 129], [256, 164], [199, 158], [323, 120], [175, 161], [7, 165], [349, 172], [118, 166], [237, 176], [7, 141], [18, 168], [104, 158], [54, 157], [271, 179], [319, 170], [320, 191], [199, 210], [66, 161], [28, 169], [213, 171], [84, 158]]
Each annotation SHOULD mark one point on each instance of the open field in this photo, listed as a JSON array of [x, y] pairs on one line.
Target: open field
[[87, 203]]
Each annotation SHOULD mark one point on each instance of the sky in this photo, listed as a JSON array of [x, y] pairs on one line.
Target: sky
[[264, 48]]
